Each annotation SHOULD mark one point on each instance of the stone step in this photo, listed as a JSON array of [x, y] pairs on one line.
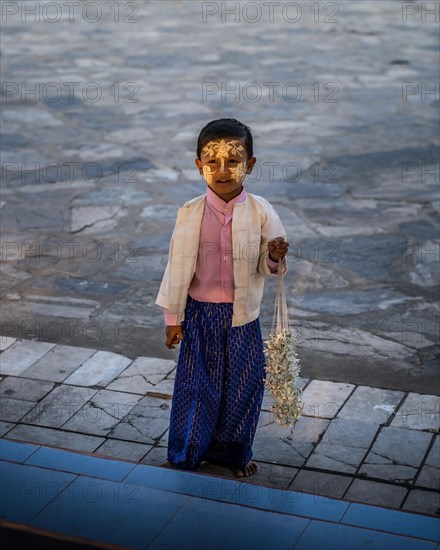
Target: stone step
[[84, 497]]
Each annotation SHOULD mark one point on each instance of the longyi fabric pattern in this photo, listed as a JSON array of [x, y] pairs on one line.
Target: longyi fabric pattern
[[218, 389]]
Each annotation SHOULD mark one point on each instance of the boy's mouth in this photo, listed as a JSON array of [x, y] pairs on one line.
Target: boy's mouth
[[223, 181]]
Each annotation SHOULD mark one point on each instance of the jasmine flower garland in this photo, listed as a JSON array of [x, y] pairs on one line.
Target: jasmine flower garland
[[282, 368], [282, 363]]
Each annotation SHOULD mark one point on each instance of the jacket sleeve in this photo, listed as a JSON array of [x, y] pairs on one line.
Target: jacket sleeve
[[272, 227], [163, 294]]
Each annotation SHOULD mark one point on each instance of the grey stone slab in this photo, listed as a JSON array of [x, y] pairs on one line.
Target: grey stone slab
[[141, 268], [294, 225], [6, 427], [13, 410], [6, 342], [410, 340], [422, 230], [39, 116], [306, 276], [137, 307], [93, 219], [24, 388], [351, 302], [374, 492], [328, 338], [58, 406], [55, 438], [371, 405], [159, 212], [146, 423], [424, 502], [42, 218], [350, 433], [323, 399], [396, 454], [338, 458], [429, 478], [102, 413], [430, 475], [343, 446], [59, 363], [21, 355], [419, 412], [13, 273], [272, 475], [277, 445], [376, 257], [425, 274], [433, 458], [62, 306], [123, 450], [164, 389], [79, 286], [100, 369], [112, 196], [320, 483], [156, 456], [142, 375]]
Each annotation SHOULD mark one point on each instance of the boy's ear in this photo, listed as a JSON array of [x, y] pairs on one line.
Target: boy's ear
[[250, 165], [199, 166]]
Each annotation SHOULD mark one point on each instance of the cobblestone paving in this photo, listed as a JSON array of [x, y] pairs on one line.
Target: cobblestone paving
[[98, 152], [354, 442]]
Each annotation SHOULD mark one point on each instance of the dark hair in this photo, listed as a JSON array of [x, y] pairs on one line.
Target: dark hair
[[225, 127]]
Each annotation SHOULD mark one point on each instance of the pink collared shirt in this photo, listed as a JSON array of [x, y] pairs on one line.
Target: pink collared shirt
[[213, 280]]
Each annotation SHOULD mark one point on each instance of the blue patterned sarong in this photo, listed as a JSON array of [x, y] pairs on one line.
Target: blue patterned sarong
[[218, 389]]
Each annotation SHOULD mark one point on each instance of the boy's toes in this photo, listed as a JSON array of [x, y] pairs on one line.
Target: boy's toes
[[248, 470]]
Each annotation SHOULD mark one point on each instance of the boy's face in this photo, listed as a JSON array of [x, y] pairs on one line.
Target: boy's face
[[224, 165]]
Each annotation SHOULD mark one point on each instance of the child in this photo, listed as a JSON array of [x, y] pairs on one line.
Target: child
[[223, 245]]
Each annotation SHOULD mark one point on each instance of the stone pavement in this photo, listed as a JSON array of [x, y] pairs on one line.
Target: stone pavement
[[98, 152], [354, 442]]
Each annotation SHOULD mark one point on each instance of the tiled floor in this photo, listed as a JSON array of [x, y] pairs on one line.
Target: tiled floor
[[133, 505], [356, 443]]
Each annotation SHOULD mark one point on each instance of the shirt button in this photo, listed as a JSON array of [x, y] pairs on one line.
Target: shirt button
[[225, 258], [225, 285]]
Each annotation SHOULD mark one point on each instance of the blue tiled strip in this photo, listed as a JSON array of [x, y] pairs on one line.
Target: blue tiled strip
[[140, 506], [16, 452], [336, 536], [393, 521], [78, 463], [26, 490]]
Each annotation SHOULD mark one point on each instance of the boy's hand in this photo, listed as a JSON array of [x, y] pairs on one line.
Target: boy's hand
[[277, 248], [174, 336]]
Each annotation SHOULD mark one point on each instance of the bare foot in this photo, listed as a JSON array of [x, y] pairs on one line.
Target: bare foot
[[249, 470], [167, 464]]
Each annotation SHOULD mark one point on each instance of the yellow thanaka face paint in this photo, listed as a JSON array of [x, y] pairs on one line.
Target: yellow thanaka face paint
[[221, 151], [208, 175], [239, 172]]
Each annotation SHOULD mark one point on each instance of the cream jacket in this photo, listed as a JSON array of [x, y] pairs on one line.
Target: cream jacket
[[254, 223]]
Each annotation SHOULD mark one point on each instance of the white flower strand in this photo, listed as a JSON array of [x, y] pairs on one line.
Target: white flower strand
[[282, 370]]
